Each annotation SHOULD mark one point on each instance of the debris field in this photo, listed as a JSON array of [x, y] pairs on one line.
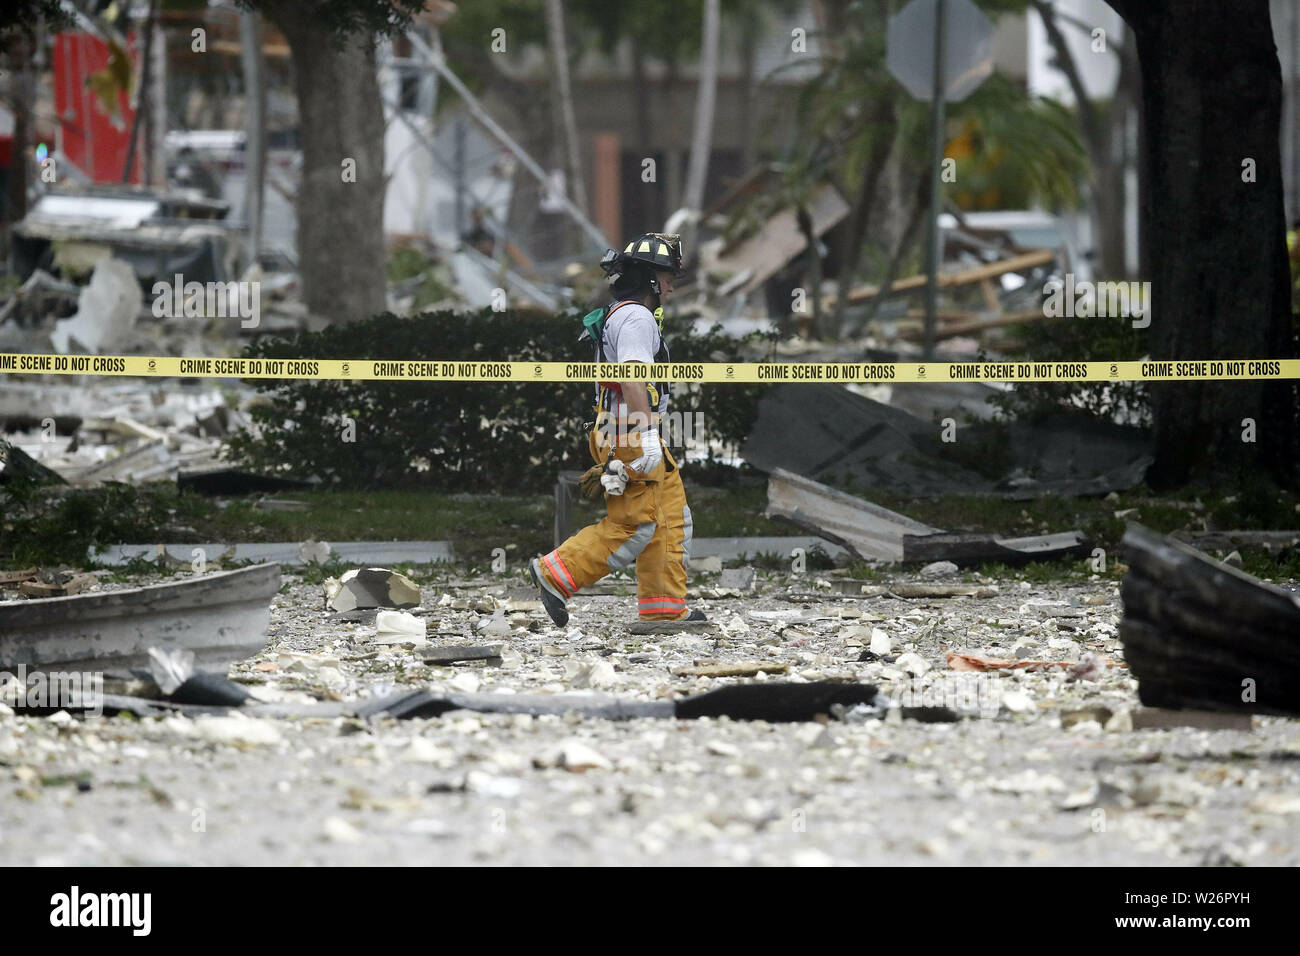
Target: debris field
[[1007, 730]]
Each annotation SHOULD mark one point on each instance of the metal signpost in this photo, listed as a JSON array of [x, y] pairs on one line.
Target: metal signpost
[[940, 50]]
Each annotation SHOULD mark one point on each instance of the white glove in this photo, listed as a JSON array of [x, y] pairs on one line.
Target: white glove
[[614, 480], [651, 453]]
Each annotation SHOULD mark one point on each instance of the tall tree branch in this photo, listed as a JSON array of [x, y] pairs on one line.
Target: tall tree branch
[[1088, 116]]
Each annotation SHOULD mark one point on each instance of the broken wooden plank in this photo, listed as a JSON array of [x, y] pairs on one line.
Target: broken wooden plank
[[221, 617], [453, 655], [1270, 541], [39, 589], [867, 530], [281, 504], [13, 577], [1157, 718], [144, 456], [79, 582], [124, 427], [731, 670], [780, 239], [56, 583], [965, 549], [992, 270]]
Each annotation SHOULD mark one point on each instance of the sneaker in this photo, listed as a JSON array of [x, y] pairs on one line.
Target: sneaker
[[554, 606]]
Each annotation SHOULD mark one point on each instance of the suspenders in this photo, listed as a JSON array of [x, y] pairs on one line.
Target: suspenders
[[605, 391]]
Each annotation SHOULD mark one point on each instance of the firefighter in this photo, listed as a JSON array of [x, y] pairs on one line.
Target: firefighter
[[648, 521]]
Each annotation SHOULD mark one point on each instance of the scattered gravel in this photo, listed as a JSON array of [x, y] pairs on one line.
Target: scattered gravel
[[1005, 785]]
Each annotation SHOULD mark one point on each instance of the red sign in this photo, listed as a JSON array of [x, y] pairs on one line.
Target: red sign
[[93, 137]]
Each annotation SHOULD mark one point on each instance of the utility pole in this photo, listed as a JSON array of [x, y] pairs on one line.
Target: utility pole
[[934, 245]]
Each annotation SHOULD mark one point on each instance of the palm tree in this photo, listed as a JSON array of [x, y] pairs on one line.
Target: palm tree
[[858, 130]]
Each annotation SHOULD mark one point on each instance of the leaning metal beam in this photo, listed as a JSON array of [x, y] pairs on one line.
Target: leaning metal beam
[[480, 113]]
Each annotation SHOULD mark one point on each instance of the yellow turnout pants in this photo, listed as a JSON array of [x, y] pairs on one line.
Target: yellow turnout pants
[[650, 524]]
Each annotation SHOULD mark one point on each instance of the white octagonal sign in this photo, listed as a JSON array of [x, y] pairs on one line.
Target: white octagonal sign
[[968, 44]]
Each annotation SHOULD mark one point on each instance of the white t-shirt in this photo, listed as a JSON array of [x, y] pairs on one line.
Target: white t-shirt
[[632, 335]]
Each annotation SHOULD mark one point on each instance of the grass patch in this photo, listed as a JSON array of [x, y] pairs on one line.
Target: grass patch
[[52, 525], [57, 525]]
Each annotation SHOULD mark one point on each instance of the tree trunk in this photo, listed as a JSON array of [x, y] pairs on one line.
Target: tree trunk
[[1106, 184], [341, 196], [22, 87], [814, 274], [856, 234], [750, 36], [1134, 70], [1126, 129], [1212, 92]]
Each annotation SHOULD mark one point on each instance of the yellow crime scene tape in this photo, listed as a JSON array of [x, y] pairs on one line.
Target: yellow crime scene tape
[[361, 370]]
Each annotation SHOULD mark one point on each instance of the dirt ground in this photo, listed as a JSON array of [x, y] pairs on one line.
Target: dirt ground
[[1006, 784]]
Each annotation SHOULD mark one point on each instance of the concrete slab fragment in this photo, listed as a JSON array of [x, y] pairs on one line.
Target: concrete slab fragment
[[867, 530], [221, 617]]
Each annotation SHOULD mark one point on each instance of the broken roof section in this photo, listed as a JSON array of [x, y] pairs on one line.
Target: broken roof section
[[158, 232], [828, 433], [1199, 634], [745, 264], [875, 533], [868, 530]]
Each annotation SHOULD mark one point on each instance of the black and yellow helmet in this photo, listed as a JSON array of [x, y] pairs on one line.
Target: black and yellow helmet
[[656, 249]]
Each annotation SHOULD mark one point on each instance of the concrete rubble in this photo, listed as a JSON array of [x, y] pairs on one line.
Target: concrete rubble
[[363, 588], [391, 739], [107, 430]]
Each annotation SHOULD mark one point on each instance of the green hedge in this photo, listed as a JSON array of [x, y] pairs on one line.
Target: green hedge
[[1072, 340], [463, 436]]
